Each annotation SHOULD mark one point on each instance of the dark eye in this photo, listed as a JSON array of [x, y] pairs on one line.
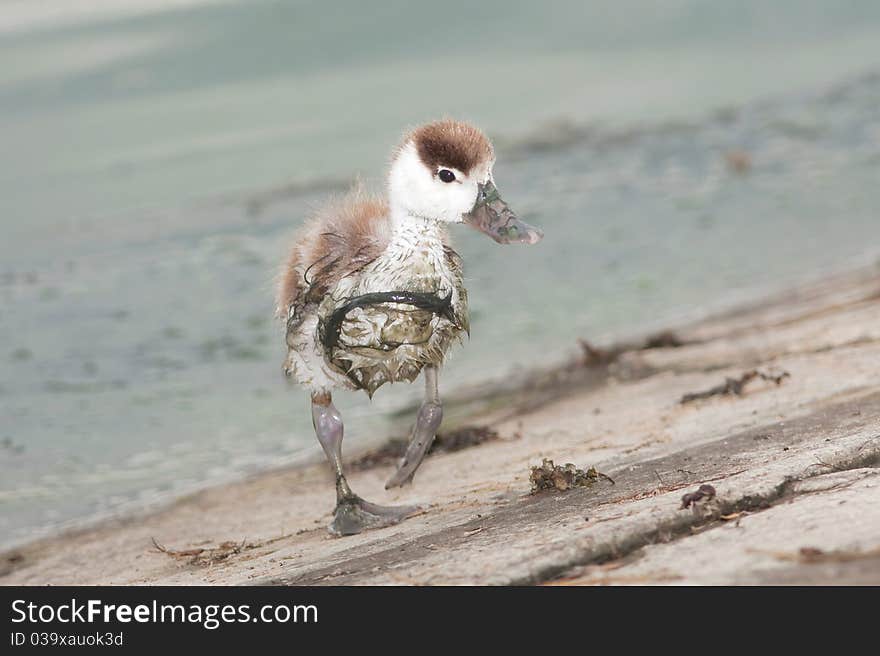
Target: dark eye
[[446, 175]]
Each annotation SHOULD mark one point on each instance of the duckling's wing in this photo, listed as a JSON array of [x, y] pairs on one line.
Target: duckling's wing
[[460, 307], [340, 239]]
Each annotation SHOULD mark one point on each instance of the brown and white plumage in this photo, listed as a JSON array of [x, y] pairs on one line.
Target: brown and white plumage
[[340, 238], [350, 248], [361, 245], [372, 292]]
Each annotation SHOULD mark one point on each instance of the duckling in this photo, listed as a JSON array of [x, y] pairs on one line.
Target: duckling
[[373, 293]]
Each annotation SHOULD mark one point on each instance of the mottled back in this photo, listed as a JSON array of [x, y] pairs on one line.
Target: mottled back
[[339, 240]]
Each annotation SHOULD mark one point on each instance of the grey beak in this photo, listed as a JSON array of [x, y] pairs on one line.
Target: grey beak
[[492, 216]]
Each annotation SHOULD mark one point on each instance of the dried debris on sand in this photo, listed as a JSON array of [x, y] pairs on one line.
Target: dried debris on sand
[[810, 555], [594, 356], [705, 491], [549, 476], [455, 440], [735, 386], [10, 562], [206, 555]]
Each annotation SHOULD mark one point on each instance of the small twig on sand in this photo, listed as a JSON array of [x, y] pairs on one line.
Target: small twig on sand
[[598, 357], [705, 491], [812, 555], [593, 356], [735, 386], [665, 339], [446, 442], [202, 556]]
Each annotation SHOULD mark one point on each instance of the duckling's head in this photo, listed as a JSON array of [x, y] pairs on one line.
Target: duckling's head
[[443, 172]]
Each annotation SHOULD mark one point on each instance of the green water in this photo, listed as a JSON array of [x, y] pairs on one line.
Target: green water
[[154, 162]]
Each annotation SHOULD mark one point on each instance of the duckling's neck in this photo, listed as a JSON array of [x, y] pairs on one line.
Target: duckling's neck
[[412, 233], [414, 258]]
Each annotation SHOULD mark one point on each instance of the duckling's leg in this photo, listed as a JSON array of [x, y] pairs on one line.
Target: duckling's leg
[[352, 514], [428, 421]]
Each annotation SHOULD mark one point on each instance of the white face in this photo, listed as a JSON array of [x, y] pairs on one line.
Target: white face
[[443, 194]]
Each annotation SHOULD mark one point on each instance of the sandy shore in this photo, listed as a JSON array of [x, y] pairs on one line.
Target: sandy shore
[[794, 466]]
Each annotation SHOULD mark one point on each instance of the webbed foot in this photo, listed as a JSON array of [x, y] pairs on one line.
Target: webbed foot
[[353, 515]]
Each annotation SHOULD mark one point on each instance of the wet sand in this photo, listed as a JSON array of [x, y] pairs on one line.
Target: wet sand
[[793, 463]]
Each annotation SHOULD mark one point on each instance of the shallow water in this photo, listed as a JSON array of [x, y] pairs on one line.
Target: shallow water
[[141, 231]]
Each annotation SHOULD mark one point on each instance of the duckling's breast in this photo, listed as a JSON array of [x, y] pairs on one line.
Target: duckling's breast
[[385, 327], [386, 341], [386, 322]]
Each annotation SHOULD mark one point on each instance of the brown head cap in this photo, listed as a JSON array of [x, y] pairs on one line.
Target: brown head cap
[[451, 143]]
